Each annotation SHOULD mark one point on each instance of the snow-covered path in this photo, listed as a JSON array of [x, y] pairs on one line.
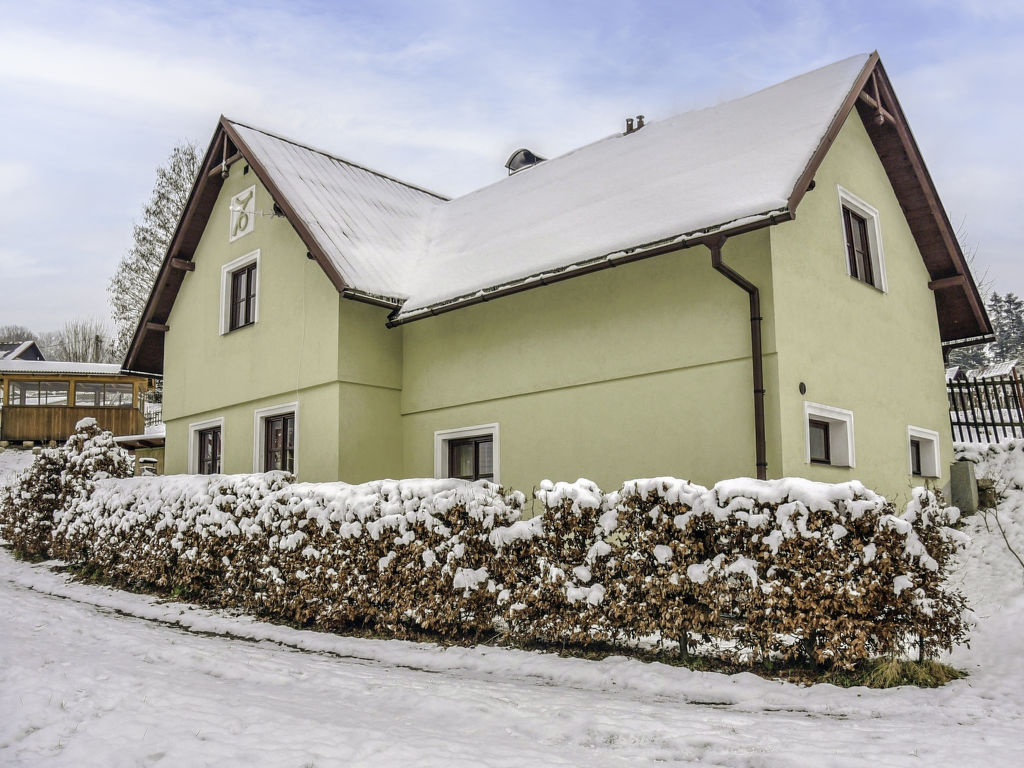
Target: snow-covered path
[[92, 676]]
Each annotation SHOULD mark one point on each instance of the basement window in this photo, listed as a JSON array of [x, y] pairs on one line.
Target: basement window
[[468, 453], [924, 451], [862, 240], [828, 435]]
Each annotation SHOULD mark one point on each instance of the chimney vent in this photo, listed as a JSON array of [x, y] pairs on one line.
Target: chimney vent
[[629, 126], [639, 122]]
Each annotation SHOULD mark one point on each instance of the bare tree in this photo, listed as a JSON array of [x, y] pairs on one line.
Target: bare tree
[[83, 341], [16, 333], [133, 279]]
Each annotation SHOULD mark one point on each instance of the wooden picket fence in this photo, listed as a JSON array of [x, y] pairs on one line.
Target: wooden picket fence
[[986, 410]]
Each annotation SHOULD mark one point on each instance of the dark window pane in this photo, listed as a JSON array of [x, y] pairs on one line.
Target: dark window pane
[[858, 247], [915, 456], [471, 459], [209, 451], [819, 441], [243, 297], [279, 443]]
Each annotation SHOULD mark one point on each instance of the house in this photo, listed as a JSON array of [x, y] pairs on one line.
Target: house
[[42, 400], [762, 287], [20, 350]]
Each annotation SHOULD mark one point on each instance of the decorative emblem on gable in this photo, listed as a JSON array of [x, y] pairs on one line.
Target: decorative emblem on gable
[[243, 213]]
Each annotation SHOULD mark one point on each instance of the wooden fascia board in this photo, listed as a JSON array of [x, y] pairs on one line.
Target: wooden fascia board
[[160, 284], [804, 181], [938, 212], [304, 233]]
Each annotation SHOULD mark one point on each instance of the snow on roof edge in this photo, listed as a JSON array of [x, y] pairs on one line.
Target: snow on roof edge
[[684, 240]]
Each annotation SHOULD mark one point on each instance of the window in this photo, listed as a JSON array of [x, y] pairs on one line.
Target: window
[[858, 251], [924, 451], [39, 393], [243, 297], [209, 451], [828, 435], [240, 280], [276, 438], [819, 442], [862, 239], [206, 447], [279, 443], [469, 453], [471, 458], [104, 394]]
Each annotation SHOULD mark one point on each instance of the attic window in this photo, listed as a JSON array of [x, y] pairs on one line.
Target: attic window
[[862, 240], [239, 292]]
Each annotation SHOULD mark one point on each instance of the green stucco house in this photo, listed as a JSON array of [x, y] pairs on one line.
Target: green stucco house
[[764, 287]]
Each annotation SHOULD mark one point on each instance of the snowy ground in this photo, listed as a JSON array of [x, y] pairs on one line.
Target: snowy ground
[[95, 677]]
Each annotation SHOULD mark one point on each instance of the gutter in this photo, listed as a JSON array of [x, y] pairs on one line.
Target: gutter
[[715, 246]]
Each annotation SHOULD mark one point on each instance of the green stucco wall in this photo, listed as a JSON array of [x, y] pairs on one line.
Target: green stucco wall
[[635, 371], [290, 353], [876, 354]]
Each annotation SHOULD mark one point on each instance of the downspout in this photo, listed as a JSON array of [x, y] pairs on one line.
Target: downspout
[[715, 246]]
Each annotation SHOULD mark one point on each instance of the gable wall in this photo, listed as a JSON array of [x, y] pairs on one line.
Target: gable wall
[[636, 371], [291, 353], [855, 347]]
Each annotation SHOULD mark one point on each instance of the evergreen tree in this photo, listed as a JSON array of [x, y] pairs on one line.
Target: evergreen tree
[[133, 279]]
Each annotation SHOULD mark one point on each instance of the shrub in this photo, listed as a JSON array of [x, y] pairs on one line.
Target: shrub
[[56, 479]]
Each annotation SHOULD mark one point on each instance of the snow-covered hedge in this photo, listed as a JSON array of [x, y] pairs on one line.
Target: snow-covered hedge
[[55, 478], [786, 568]]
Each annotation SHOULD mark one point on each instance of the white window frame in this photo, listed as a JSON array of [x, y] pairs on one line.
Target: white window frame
[[260, 416], [235, 210], [840, 434], [930, 461], [874, 227], [225, 289], [444, 436], [193, 442]]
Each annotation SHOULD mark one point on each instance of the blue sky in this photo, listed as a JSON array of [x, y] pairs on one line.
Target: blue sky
[[94, 95]]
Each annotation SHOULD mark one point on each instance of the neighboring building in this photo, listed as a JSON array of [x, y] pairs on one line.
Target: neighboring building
[[42, 400], [316, 315], [20, 350]]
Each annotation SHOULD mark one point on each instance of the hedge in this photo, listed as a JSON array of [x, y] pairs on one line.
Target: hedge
[[750, 570]]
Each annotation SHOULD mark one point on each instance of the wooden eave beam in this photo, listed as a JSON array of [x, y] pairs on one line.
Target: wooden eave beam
[[157, 327], [183, 265], [956, 281], [871, 102]]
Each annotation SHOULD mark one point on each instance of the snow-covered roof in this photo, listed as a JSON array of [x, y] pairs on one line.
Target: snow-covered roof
[[701, 170], [56, 366], [993, 370], [13, 350], [370, 226], [697, 171]]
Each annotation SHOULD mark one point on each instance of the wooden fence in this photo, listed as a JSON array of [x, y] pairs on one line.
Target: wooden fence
[[986, 410]]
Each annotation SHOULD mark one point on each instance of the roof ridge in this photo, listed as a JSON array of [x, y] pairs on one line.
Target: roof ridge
[[332, 156]]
